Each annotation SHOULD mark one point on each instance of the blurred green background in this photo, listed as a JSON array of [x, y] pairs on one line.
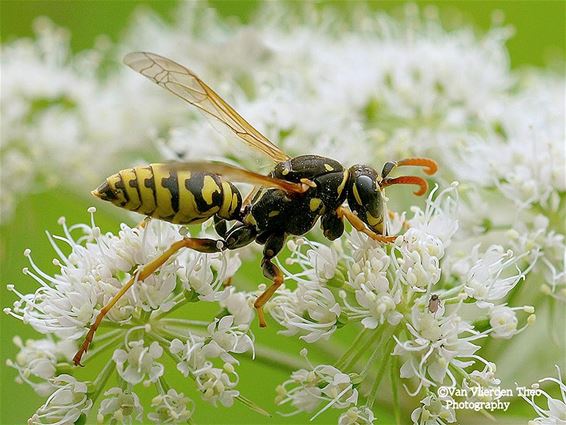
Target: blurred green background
[[538, 41]]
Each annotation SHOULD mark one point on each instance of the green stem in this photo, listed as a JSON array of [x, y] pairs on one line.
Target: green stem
[[343, 359], [101, 380], [380, 372], [373, 340], [99, 349], [274, 358], [395, 378]]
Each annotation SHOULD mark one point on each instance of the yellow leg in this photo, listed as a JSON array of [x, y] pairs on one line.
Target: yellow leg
[[268, 293], [202, 245], [360, 226]]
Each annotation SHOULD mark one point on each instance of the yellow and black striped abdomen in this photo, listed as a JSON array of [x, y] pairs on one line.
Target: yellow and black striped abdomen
[[167, 193]]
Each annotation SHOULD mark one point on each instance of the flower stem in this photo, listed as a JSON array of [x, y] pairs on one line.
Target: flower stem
[[394, 375], [344, 358], [100, 381], [381, 371], [374, 339]]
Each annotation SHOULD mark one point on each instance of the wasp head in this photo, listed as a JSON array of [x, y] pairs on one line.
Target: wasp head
[[366, 198]]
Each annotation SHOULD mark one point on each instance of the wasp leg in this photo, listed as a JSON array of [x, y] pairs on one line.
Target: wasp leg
[[360, 226], [273, 245], [220, 226], [201, 245], [332, 225]]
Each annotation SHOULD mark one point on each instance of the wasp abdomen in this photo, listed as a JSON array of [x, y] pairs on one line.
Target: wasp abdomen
[[179, 196]]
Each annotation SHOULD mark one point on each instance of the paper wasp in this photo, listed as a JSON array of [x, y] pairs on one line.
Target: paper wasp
[[288, 201]]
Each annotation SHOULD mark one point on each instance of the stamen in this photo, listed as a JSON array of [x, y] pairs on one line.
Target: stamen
[[407, 180]]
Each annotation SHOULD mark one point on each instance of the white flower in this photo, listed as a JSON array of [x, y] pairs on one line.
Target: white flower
[[190, 353], [239, 305], [311, 310], [171, 408], [90, 276], [137, 361], [324, 260], [555, 411], [503, 321], [434, 345], [66, 405], [206, 273], [419, 260], [375, 296], [120, 407], [225, 337], [37, 360], [440, 217], [306, 389], [357, 416], [434, 411], [483, 279], [216, 386], [482, 385], [374, 309]]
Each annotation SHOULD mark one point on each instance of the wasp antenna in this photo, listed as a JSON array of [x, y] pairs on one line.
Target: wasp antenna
[[430, 165], [407, 180]]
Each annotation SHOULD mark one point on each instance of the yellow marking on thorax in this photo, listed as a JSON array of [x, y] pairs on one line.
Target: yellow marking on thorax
[[273, 213], [135, 202], [209, 188], [147, 196], [314, 204], [328, 167]]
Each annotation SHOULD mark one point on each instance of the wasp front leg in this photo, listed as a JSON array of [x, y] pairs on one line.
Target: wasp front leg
[[273, 245], [360, 226]]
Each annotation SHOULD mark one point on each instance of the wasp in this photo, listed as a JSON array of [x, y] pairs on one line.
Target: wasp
[[288, 201]]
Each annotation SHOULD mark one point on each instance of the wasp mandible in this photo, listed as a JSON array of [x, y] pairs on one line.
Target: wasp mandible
[[289, 201]]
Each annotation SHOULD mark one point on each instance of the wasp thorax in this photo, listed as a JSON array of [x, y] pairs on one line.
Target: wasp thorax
[[365, 197]]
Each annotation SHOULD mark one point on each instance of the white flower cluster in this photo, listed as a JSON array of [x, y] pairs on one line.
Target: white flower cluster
[[365, 87], [139, 329], [406, 294]]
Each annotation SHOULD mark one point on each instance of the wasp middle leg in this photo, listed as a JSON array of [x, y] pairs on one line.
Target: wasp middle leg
[[273, 245]]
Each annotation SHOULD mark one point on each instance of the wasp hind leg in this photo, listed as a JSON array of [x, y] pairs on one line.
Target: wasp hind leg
[[273, 245], [201, 245]]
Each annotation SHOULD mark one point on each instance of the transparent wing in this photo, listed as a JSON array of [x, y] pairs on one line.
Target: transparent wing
[[183, 83], [237, 175]]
